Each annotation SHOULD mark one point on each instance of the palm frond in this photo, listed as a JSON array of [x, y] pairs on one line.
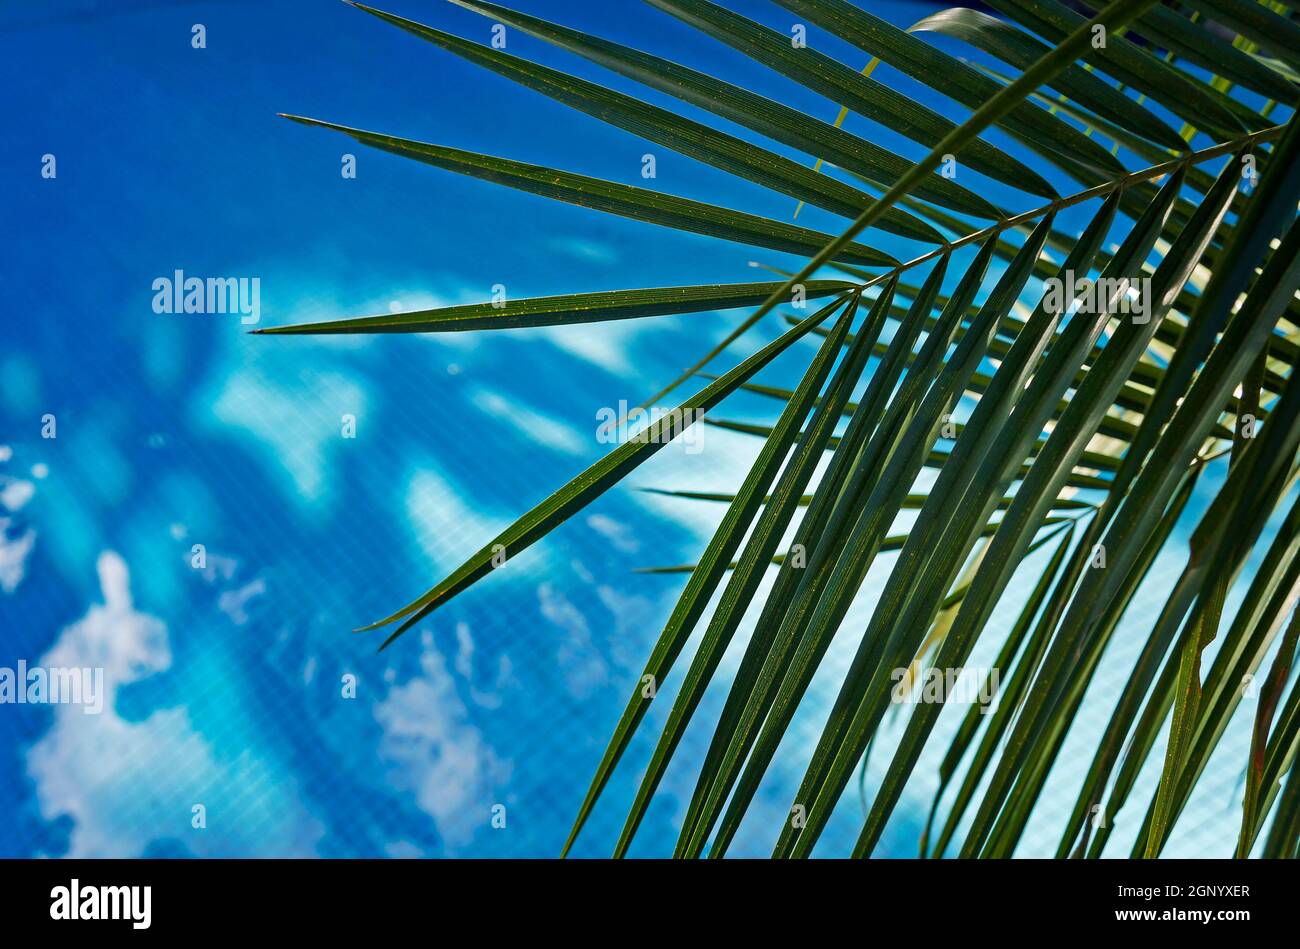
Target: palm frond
[[1082, 424]]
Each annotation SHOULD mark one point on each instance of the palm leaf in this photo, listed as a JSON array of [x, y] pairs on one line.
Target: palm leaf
[[980, 411], [640, 204], [567, 310]]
